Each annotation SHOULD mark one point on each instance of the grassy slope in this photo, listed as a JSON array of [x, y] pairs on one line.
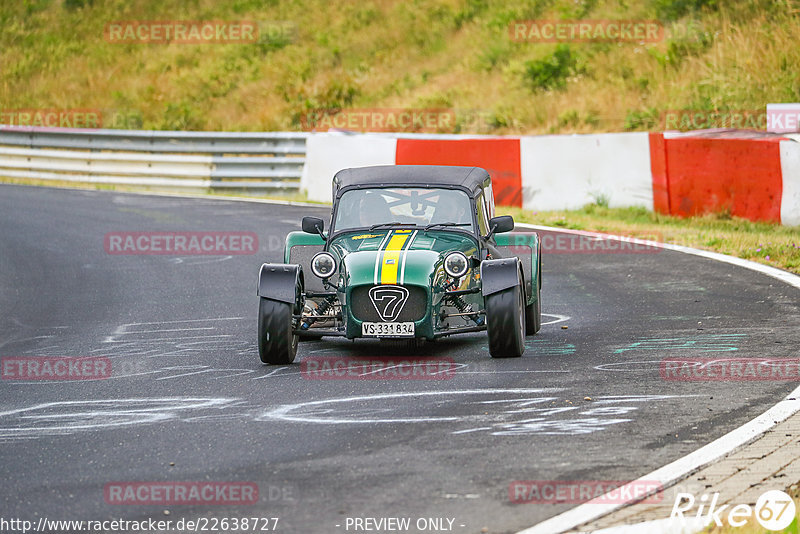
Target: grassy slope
[[419, 53]]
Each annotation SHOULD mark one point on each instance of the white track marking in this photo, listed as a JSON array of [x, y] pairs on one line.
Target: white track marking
[[276, 371], [183, 261], [130, 328], [186, 374], [284, 412], [558, 318], [68, 417], [523, 415]]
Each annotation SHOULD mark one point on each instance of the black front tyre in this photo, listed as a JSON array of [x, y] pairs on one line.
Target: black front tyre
[[277, 343], [505, 322], [533, 315]]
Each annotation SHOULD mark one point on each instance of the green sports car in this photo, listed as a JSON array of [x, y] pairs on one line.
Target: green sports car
[[413, 252]]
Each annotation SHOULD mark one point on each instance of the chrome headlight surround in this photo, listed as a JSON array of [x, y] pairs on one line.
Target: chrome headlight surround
[[456, 264], [323, 265]]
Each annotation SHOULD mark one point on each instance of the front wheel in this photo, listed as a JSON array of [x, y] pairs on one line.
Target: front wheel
[[505, 323], [277, 342]]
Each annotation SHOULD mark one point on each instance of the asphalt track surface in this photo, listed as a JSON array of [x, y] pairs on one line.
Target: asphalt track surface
[[188, 399]]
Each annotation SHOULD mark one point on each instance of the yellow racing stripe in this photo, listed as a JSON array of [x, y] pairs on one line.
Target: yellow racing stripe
[[391, 256]]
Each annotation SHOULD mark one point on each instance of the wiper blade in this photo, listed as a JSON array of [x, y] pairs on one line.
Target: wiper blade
[[432, 225], [396, 223]]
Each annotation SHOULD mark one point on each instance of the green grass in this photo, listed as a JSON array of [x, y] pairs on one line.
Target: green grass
[[457, 54]]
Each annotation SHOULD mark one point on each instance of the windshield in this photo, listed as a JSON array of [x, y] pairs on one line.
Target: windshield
[[368, 207]]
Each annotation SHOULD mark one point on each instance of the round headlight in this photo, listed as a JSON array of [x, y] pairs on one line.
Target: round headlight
[[456, 264], [323, 265]]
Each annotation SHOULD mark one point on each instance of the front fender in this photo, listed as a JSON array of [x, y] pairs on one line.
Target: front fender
[[500, 274], [278, 281]]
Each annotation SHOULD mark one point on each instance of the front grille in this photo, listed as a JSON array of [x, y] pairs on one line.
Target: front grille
[[364, 310]]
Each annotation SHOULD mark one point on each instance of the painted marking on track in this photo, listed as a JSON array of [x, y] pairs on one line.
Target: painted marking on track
[[558, 318], [631, 367], [508, 412], [274, 372], [671, 286], [69, 417], [197, 261], [128, 328], [700, 343]]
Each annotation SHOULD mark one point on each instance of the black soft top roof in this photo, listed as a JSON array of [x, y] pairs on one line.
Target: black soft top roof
[[471, 178]]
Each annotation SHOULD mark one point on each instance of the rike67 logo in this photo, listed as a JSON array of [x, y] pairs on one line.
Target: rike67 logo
[[774, 510]]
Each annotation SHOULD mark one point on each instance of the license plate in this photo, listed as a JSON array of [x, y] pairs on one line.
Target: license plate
[[387, 329]]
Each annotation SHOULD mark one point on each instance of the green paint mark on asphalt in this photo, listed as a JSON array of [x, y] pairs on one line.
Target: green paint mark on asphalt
[[700, 343]]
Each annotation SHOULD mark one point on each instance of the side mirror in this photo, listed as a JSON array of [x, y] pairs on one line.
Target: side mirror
[[500, 224], [313, 225]]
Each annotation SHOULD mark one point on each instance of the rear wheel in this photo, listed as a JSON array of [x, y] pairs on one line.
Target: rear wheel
[[505, 322], [277, 342]]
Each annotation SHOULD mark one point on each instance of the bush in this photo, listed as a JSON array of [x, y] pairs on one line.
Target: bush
[[551, 72]]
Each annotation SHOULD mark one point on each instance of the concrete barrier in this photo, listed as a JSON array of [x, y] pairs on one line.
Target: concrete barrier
[[562, 172]]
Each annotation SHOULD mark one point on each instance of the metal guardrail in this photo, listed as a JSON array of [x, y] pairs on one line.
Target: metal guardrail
[[269, 160]]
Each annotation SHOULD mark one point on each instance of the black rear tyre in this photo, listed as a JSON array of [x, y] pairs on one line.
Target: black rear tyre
[[277, 343], [505, 322]]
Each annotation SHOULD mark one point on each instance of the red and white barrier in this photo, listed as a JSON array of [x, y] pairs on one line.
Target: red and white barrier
[[750, 175]]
